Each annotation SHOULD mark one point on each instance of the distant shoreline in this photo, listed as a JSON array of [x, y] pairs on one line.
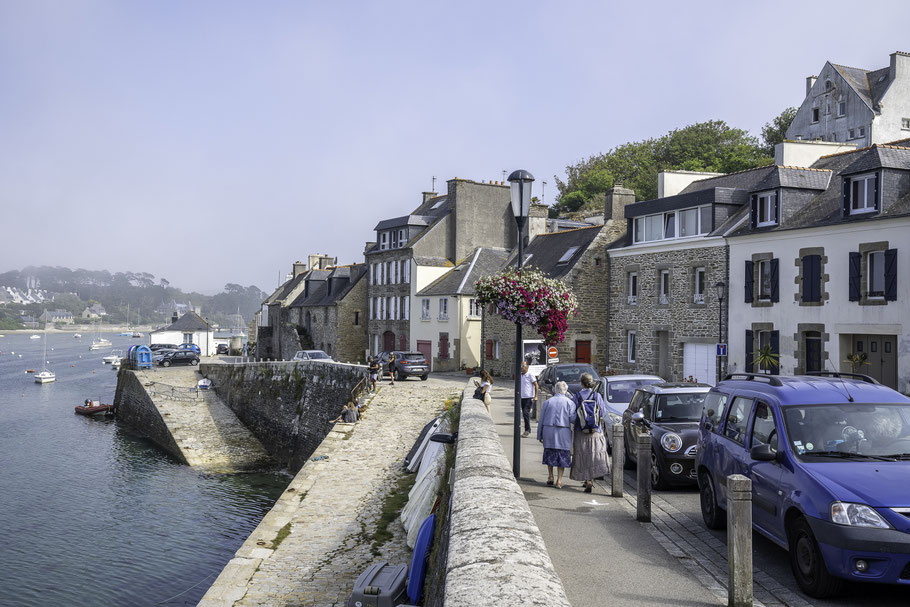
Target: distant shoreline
[[85, 329]]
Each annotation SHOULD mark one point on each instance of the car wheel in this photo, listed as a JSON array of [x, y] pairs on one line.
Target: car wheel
[[657, 479], [714, 517], [424, 377], [396, 375], [807, 563], [165, 363], [194, 362], [627, 462]]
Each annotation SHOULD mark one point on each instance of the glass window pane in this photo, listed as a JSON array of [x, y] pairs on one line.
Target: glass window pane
[[688, 222], [639, 229], [705, 224], [670, 225], [653, 227]]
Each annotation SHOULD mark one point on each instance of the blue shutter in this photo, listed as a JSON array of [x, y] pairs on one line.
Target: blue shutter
[[775, 348], [812, 278], [775, 207], [748, 280], [749, 352], [846, 198], [876, 200], [855, 260], [753, 208], [891, 275], [775, 280]]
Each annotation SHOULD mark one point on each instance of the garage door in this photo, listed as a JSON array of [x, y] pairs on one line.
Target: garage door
[[700, 363]]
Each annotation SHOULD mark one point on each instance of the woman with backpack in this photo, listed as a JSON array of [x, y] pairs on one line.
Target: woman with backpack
[[589, 457], [483, 389], [554, 430]]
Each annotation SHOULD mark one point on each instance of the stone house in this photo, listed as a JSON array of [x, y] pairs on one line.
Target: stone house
[[94, 311], [447, 321], [331, 311], [412, 251], [578, 258], [815, 271], [187, 329], [57, 316], [853, 105]]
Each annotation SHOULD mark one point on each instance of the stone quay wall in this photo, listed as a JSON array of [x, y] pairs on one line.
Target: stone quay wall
[[286, 405], [496, 554], [135, 407]]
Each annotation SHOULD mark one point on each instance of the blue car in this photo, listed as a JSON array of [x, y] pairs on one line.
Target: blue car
[[192, 347], [829, 460]]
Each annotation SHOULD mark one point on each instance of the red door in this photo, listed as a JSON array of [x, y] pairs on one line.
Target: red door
[[388, 341], [583, 352], [426, 348]]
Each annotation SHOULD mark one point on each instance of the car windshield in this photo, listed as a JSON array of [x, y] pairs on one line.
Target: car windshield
[[621, 391], [317, 354], [851, 429], [571, 374], [680, 407]]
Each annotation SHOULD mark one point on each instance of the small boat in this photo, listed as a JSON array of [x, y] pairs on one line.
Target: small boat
[[125, 334], [35, 337], [116, 364], [77, 336], [93, 408], [29, 370], [137, 335], [45, 377], [115, 355], [97, 344]]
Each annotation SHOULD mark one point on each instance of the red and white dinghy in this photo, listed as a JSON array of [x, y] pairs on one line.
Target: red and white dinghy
[[93, 407]]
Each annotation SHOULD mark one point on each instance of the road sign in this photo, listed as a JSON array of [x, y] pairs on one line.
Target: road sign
[[721, 349], [552, 352]]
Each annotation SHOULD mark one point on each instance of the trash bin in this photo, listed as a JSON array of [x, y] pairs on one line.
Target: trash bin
[[381, 585]]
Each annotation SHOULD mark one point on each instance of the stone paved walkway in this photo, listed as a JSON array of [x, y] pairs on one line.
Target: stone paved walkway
[[207, 432], [332, 506]]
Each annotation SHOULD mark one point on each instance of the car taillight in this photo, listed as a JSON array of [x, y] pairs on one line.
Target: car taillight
[[405, 363]]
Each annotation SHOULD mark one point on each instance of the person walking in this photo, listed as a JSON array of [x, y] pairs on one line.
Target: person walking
[[391, 368], [374, 372], [485, 387], [554, 430], [528, 396], [589, 448]]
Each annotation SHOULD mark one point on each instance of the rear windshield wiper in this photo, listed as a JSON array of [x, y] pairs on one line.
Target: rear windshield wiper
[[843, 455], [900, 456]]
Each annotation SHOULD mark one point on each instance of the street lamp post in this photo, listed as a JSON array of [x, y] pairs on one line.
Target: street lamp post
[[520, 183], [721, 288]]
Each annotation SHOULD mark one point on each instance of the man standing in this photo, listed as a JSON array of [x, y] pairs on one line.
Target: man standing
[[528, 396]]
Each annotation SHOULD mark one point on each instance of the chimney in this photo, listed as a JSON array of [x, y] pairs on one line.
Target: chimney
[[616, 200], [299, 268], [175, 317], [428, 195], [537, 220], [900, 65], [810, 82]]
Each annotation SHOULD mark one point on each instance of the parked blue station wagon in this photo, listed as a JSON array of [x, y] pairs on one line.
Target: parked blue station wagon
[[829, 459]]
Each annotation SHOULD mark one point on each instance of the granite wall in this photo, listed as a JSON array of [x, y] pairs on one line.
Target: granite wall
[[135, 408]]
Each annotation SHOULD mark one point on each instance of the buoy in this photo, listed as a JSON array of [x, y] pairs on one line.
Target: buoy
[[72, 365]]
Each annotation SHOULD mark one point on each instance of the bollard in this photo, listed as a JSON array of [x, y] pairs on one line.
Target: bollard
[[619, 454], [739, 541], [643, 499]]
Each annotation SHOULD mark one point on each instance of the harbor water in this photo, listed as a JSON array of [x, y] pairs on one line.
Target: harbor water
[[95, 516]]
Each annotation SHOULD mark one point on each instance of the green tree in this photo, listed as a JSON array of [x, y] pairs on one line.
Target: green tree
[[774, 132]]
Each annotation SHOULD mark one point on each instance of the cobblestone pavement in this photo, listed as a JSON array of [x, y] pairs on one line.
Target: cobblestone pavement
[[331, 508], [207, 432]]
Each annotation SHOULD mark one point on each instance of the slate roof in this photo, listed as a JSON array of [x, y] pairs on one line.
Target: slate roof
[[858, 79], [319, 294], [188, 322], [546, 250], [880, 156], [439, 262], [796, 177], [405, 220], [460, 280], [742, 180]]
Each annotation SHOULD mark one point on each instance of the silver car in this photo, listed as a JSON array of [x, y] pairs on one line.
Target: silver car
[[313, 355]]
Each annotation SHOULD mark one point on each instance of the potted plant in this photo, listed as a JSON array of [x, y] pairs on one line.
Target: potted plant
[[857, 359], [765, 357]]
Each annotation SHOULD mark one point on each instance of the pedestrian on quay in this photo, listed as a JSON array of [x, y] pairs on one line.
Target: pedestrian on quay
[[349, 414], [554, 430], [589, 448], [374, 372], [528, 396], [485, 387], [391, 368]]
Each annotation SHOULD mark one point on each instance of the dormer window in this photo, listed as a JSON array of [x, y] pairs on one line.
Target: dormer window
[[383, 241], [861, 194], [567, 255], [765, 209]]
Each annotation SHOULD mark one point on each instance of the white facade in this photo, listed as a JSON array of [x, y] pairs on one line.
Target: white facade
[[459, 317], [838, 322], [204, 339]]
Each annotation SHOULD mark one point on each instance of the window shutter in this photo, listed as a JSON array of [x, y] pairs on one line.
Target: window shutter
[[775, 208], [748, 281], [489, 349], [846, 197], [775, 280], [775, 347], [878, 176], [812, 278], [749, 353], [854, 276], [891, 275], [753, 215]]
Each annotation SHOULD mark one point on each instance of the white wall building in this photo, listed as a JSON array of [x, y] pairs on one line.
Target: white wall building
[[188, 329]]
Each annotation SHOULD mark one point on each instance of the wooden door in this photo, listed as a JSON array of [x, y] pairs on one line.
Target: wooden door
[[388, 341], [583, 352], [426, 348]]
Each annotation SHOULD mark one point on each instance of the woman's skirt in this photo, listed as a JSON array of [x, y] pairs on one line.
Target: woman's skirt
[[589, 456], [561, 458]]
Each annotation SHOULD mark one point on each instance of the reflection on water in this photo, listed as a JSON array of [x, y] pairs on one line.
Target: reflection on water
[[94, 515]]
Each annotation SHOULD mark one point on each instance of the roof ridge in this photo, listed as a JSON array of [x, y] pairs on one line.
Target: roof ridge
[[787, 166], [868, 147], [764, 166], [850, 67], [567, 231], [891, 146]]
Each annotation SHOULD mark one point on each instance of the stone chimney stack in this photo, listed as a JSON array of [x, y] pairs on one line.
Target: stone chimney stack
[[900, 65], [537, 220], [175, 317], [428, 195], [810, 82], [616, 200], [299, 268]]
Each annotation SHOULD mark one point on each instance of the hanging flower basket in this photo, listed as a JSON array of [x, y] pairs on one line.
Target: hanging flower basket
[[530, 298]]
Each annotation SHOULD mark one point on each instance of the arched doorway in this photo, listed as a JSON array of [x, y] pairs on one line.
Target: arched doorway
[[388, 341]]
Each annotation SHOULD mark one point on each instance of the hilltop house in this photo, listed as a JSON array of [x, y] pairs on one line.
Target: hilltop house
[[853, 105], [187, 329], [57, 316], [94, 311]]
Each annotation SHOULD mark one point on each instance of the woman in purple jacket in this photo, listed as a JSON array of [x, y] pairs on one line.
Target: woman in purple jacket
[[554, 430]]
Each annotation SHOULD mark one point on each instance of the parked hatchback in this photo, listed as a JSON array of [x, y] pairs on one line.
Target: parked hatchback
[[179, 357], [617, 392], [671, 412], [829, 459], [568, 372], [191, 347], [313, 355], [410, 363]]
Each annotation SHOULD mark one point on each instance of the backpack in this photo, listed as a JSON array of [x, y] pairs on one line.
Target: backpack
[[478, 393], [588, 419]]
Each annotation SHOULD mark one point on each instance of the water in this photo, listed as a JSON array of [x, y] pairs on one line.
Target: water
[[93, 515]]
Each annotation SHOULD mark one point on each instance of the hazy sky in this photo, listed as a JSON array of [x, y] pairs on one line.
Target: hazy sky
[[212, 141]]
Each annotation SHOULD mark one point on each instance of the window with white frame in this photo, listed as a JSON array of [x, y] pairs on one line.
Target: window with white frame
[[905, 124], [379, 268], [851, 134], [766, 209], [474, 308], [633, 288], [876, 274], [388, 272], [764, 280], [862, 131], [632, 346], [406, 265], [393, 238], [862, 194], [407, 308], [841, 108], [383, 241], [672, 224], [425, 309], [372, 303], [443, 308], [664, 287], [395, 267], [401, 240], [388, 308], [764, 342], [669, 225], [699, 294]]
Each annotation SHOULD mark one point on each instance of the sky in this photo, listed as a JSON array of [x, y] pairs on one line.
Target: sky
[[209, 142]]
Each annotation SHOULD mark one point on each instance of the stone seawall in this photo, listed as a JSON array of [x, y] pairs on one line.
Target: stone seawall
[[286, 405], [136, 408]]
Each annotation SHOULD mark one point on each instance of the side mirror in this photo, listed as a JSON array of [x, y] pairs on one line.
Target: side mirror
[[763, 453], [441, 437], [639, 418]]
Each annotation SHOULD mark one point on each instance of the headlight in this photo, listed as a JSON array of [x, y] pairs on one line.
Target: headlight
[[857, 515], [671, 442], [616, 419]]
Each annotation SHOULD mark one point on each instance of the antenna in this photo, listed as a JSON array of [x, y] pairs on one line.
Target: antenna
[[503, 175], [433, 189], [543, 192], [842, 382]]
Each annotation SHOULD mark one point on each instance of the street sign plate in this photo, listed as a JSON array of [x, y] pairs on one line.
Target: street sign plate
[[552, 352], [721, 349]]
